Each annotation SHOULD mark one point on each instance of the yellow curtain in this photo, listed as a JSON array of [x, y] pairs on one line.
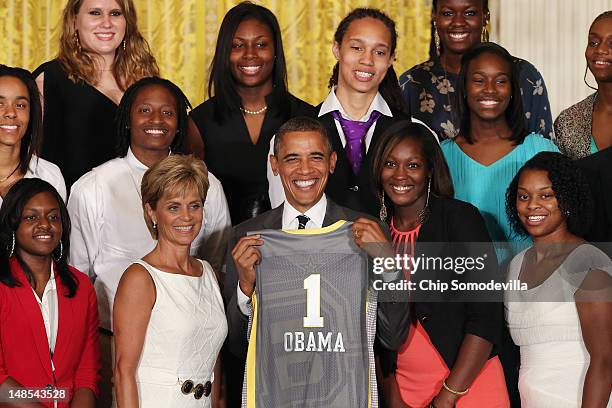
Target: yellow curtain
[[182, 35]]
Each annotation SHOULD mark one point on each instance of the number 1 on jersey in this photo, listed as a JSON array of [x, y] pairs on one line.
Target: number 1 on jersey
[[313, 317]]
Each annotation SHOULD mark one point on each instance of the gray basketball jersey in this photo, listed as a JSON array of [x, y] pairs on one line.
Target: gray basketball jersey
[[313, 324]]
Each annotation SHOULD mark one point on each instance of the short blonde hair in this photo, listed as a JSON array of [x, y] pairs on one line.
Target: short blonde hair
[[175, 174], [132, 61]]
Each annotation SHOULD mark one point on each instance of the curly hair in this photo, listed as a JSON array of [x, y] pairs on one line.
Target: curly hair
[[125, 107], [133, 59], [571, 190]]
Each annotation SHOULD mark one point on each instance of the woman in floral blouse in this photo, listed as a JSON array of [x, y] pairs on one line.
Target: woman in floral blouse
[[429, 88]]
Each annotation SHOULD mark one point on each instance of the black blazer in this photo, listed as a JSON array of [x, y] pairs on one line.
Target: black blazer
[[450, 227], [346, 189], [596, 168], [392, 317]]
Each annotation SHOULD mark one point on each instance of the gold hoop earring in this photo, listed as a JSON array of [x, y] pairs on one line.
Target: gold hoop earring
[[383, 208], [484, 36]]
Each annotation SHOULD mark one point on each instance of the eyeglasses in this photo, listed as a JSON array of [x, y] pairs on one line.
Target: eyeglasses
[[198, 390]]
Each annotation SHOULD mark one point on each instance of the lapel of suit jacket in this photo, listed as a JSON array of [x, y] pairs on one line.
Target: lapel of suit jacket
[[64, 326], [333, 213], [33, 315], [274, 218]]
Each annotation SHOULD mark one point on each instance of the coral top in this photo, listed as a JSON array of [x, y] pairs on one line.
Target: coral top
[[421, 370]]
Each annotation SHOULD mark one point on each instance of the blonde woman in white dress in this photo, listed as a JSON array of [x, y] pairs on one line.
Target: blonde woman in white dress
[[168, 317], [562, 321]]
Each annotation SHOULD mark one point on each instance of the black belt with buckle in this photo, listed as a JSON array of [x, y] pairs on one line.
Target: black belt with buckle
[[198, 390]]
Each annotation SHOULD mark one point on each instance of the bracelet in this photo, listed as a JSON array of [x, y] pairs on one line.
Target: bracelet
[[449, 389]]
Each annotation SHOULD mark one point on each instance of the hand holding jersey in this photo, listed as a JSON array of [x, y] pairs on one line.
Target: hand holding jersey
[[246, 256]]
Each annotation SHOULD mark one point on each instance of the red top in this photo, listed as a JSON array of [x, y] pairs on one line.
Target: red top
[[24, 348]]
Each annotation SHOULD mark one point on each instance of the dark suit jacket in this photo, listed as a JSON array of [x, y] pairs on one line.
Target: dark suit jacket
[[346, 189], [449, 231], [597, 168], [392, 317]]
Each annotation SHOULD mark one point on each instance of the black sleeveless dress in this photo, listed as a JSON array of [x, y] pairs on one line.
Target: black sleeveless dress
[[79, 123]]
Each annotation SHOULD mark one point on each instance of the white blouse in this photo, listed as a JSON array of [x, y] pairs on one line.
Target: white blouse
[[109, 231]]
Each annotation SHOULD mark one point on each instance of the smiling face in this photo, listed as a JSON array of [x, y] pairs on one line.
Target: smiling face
[[153, 119], [101, 26], [304, 164], [405, 173], [40, 229], [538, 208], [598, 53], [488, 87], [364, 56], [252, 55], [459, 24], [178, 215], [14, 110]]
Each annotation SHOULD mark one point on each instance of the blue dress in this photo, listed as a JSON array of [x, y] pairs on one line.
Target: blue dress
[[429, 92], [485, 186]]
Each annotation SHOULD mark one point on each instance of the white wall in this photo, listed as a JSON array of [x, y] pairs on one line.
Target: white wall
[[552, 35]]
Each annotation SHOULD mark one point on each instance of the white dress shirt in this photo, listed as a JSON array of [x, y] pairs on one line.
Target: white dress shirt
[[47, 171], [49, 309], [316, 215], [109, 231]]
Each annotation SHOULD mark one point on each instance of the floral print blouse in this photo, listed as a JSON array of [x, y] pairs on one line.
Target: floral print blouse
[[429, 93]]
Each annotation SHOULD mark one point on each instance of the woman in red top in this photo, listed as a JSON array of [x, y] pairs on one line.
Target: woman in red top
[[48, 310], [449, 358]]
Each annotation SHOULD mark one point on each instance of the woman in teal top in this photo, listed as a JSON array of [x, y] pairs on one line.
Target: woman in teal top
[[492, 144]]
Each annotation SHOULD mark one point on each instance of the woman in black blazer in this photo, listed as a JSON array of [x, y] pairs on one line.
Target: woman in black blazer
[[450, 357]]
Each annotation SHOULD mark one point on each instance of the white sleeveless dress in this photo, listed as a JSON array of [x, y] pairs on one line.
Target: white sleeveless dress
[[544, 323], [184, 336]]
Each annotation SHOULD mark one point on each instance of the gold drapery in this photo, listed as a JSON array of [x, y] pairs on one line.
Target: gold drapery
[[182, 35]]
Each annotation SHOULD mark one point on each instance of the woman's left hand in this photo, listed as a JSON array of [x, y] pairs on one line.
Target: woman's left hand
[[370, 237]]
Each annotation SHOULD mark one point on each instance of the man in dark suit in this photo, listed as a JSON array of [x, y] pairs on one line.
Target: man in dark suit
[[304, 159]]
